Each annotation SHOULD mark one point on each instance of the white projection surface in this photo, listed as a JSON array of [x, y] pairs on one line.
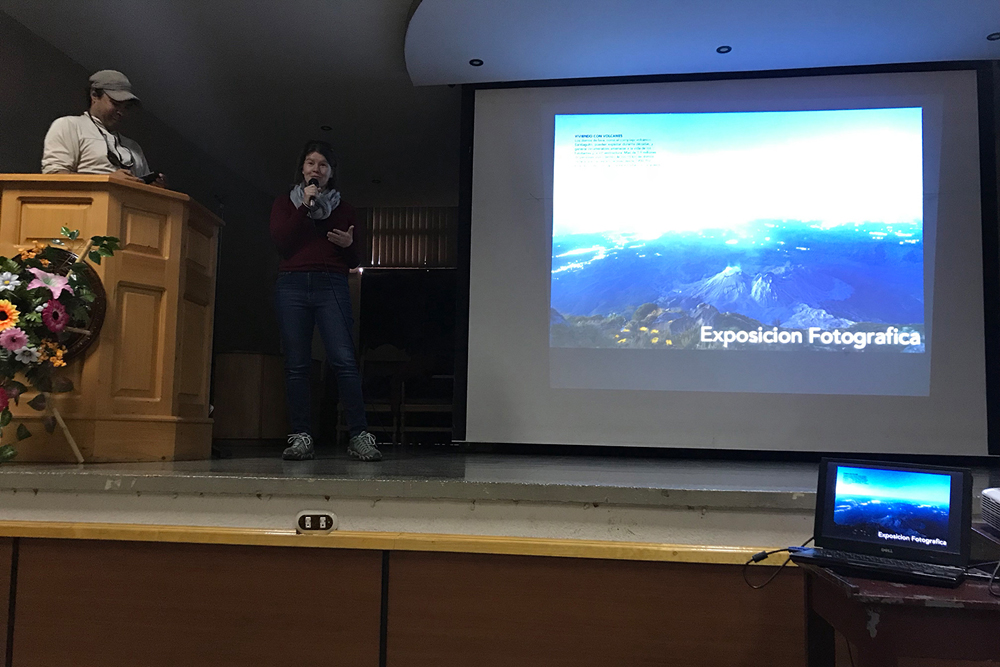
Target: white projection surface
[[772, 264]]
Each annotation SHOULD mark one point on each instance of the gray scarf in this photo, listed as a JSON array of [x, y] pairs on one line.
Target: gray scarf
[[323, 203]]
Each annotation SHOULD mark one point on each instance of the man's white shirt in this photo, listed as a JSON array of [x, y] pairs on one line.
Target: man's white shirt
[[80, 144]]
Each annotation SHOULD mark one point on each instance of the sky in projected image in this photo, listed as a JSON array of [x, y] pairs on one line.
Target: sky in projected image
[[893, 485], [721, 170]]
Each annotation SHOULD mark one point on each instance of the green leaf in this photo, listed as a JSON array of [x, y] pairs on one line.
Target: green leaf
[[79, 314], [7, 452], [23, 432], [42, 378], [37, 403], [64, 230], [105, 252], [49, 423], [94, 256], [60, 385], [5, 417], [15, 389], [88, 296]]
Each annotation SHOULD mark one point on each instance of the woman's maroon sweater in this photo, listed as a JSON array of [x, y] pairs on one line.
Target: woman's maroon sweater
[[302, 241]]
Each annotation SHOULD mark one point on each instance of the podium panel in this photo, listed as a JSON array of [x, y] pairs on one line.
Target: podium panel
[[141, 391]]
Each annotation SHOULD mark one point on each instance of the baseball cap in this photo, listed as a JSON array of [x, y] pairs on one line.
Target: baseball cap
[[114, 83]]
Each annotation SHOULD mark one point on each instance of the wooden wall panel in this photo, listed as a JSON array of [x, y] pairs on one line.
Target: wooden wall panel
[[459, 609], [94, 604], [6, 549]]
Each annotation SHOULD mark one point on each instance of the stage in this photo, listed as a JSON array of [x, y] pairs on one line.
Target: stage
[[438, 490]]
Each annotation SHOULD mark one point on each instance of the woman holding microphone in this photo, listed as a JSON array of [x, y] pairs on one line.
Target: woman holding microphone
[[319, 240]]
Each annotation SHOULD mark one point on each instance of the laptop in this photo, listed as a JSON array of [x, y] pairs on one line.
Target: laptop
[[908, 523]]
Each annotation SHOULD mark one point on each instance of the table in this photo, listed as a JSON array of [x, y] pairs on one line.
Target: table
[[885, 621]]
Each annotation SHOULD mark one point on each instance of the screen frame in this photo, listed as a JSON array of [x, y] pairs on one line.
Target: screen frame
[[988, 91], [962, 496]]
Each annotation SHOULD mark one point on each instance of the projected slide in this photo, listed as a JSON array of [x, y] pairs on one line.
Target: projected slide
[[757, 231], [905, 508]]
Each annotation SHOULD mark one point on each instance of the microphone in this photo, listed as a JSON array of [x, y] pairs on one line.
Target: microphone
[[312, 181]]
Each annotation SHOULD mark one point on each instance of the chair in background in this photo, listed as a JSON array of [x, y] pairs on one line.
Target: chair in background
[[426, 399], [382, 371]]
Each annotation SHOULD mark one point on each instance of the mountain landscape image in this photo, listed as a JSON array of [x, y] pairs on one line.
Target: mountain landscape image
[[865, 518], [786, 230], [898, 506], [611, 290]]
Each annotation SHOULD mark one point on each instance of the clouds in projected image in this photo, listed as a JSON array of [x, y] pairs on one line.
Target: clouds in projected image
[[765, 231]]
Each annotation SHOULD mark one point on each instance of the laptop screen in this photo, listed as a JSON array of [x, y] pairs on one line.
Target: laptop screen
[[900, 511]]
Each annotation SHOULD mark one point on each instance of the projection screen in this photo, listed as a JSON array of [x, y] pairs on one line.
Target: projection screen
[[772, 264]]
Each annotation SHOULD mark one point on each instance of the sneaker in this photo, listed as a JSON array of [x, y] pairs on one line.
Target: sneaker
[[362, 446], [300, 448]]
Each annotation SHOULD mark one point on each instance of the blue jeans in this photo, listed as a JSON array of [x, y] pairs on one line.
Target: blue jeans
[[305, 300]]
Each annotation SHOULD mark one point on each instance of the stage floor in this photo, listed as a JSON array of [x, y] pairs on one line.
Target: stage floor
[[445, 473]]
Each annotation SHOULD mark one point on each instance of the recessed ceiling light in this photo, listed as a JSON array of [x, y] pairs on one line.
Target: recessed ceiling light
[[325, 128], [724, 49], [994, 36], [476, 62]]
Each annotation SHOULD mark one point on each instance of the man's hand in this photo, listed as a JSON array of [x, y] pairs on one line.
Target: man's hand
[[160, 182], [125, 175], [342, 239]]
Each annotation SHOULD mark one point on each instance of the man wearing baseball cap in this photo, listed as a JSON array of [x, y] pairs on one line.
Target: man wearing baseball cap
[[89, 143]]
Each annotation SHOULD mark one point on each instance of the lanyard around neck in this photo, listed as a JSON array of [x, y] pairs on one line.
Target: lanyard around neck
[[114, 149]]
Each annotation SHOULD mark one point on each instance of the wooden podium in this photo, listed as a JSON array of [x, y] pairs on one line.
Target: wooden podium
[[141, 391]]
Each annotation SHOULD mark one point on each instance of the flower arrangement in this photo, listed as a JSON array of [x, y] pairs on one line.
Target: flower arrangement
[[47, 305]]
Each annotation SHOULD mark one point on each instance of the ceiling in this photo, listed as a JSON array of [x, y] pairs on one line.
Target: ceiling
[[553, 39], [249, 81]]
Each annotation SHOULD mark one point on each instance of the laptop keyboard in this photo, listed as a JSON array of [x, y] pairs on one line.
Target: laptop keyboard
[[894, 563], [891, 568]]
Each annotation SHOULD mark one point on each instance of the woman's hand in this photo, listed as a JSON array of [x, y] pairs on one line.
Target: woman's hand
[[309, 194], [342, 239]]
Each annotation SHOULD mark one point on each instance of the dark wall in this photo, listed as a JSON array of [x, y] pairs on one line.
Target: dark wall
[[39, 83]]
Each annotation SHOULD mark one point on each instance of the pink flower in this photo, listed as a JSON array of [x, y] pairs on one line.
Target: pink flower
[[54, 316], [55, 283], [13, 339], [4, 399]]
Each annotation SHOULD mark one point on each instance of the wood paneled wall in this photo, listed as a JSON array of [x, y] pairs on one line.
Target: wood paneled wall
[[87, 603], [461, 609], [84, 603], [6, 553]]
